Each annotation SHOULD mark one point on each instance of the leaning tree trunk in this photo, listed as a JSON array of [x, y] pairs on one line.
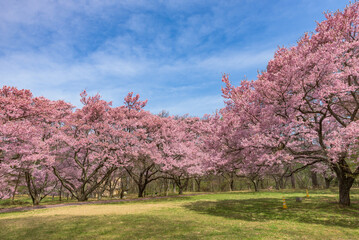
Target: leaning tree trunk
[[16, 185], [255, 184]]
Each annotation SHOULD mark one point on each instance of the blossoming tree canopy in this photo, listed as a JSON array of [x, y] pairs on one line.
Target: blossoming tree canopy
[[26, 125], [180, 146], [83, 148], [306, 103]]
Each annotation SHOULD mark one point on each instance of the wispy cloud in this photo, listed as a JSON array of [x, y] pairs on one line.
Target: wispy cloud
[[171, 52]]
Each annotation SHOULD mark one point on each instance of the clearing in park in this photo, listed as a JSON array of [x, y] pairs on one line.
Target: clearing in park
[[234, 215]]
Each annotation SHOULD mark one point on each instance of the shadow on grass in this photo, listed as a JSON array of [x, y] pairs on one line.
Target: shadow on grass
[[150, 200], [97, 227], [316, 210]]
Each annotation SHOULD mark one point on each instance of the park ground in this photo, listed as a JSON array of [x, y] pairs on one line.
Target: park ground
[[234, 215]]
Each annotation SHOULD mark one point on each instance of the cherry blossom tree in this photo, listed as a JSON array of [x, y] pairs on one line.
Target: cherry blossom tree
[[304, 107], [27, 124], [182, 156], [143, 154], [83, 146]]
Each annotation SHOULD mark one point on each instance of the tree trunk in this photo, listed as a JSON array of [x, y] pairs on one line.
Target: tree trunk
[[35, 196], [281, 183], [17, 184], [327, 182], [198, 182], [255, 184], [276, 183], [180, 190], [344, 192], [314, 179], [262, 184], [141, 190], [36, 200], [345, 183], [60, 194], [346, 179], [99, 195], [292, 180], [82, 197], [167, 186], [231, 185], [174, 186], [122, 193], [111, 193], [181, 184]]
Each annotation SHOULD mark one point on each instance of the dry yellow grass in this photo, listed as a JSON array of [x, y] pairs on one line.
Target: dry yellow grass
[[95, 210]]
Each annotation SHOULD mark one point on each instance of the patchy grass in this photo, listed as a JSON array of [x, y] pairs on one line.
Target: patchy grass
[[25, 200], [236, 215]]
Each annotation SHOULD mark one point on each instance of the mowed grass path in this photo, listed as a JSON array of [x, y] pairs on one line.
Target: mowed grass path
[[236, 215]]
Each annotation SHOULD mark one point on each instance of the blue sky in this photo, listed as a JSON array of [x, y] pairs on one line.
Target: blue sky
[[172, 53]]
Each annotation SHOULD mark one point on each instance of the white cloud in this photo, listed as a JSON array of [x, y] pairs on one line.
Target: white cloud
[[173, 65]]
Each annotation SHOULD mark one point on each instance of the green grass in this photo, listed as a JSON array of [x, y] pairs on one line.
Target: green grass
[[25, 200], [236, 215]]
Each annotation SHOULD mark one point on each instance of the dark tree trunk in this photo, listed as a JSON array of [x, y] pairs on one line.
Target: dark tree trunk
[[231, 184], [122, 193], [344, 191], [82, 192], [82, 198], [141, 190], [181, 183], [346, 179], [328, 181], [277, 187], [314, 179], [111, 193], [60, 194], [198, 182], [255, 185], [262, 184], [281, 183], [144, 177], [35, 194], [16, 185], [292, 181]]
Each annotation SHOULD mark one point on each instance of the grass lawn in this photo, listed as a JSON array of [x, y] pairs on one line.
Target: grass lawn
[[236, 215]]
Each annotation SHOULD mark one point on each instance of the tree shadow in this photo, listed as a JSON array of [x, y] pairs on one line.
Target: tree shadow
[[137, 226], [315, 211]]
